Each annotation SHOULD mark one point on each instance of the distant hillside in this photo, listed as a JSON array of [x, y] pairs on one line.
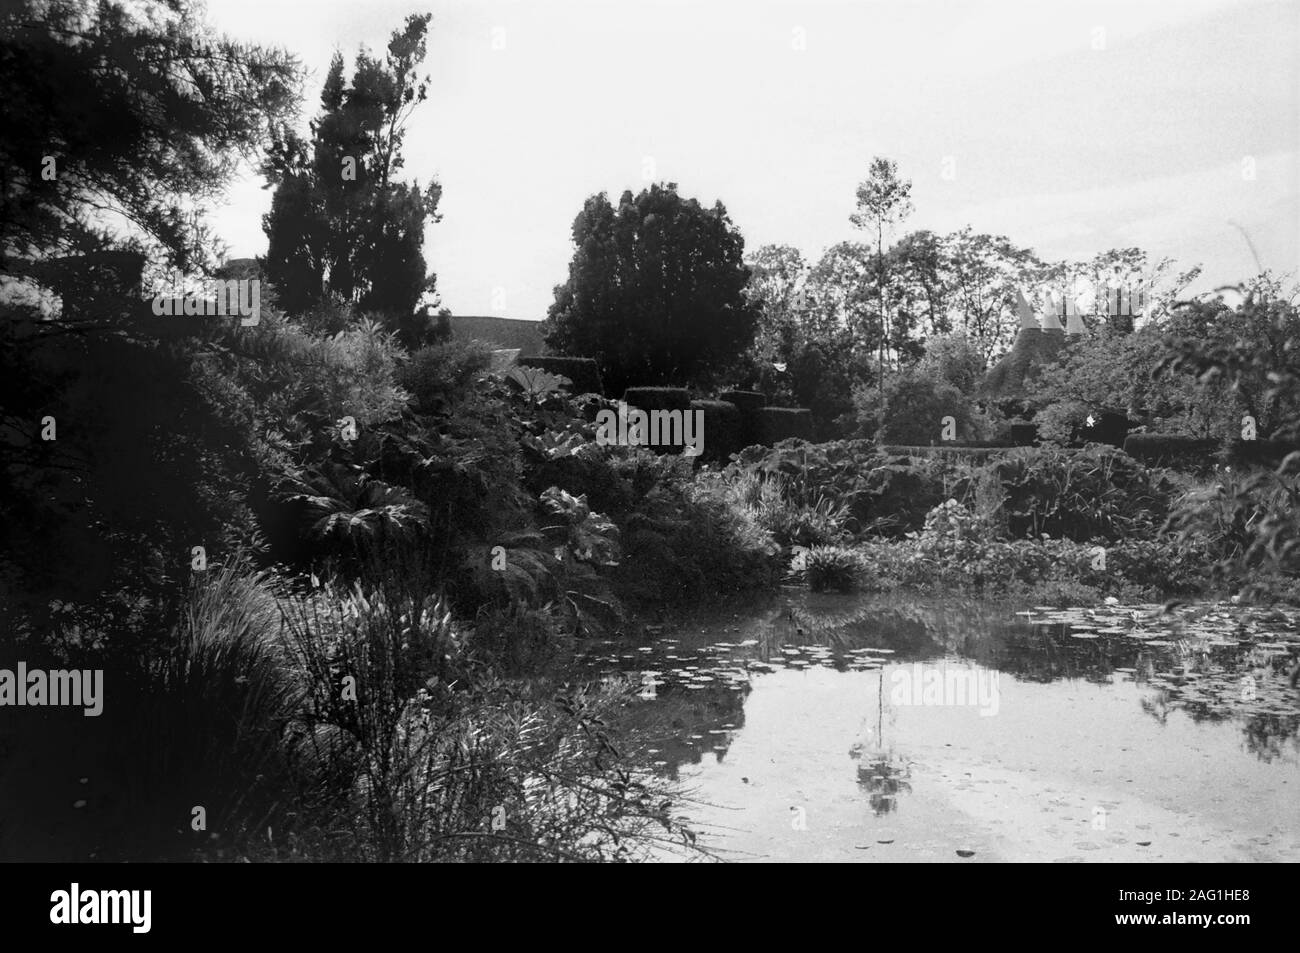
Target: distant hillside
[[511, 333]]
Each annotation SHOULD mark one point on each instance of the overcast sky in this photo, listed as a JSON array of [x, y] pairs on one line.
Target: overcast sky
[[1072, 127]]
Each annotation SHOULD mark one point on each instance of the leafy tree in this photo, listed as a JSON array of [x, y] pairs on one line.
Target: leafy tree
[[1133, 374], [339, 222], [120, 120], [884, 200], [806, 350], [777, 290], [986, 271], [1249, 351], [144, 114], [921, 286], [956, 360], [915, 402], [1256, 351], [655, 291], [1126, 268]]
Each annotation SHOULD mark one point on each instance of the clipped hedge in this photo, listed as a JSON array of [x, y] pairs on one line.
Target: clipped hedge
[[749, 401], [1171, 450], [1024, 435], [775, 424], [1267, 453], [583, 371], [723, 432], [658, 398]]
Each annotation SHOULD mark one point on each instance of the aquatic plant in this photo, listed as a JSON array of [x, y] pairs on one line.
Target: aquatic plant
[[831, 567]]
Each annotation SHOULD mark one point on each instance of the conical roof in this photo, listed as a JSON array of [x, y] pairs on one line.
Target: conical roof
[[1032, 349], [1028, 322]]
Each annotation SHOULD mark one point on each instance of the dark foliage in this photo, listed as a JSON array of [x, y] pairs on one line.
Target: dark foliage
[[654, 293]]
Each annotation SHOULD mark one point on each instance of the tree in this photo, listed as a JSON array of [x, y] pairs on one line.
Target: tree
[[920, 284], [884, 200], [916, 401], [1125, 268], [1256, 352], [339, 222], [840, 289], [119, 121], [777, 290], [1113, 370], [985, 273], [804, 351], [655, 291], [954, 359]]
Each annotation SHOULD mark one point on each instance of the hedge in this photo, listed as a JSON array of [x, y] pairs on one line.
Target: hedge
[[1171, 450], [749, 401], [779, 423], [1260, 452], [723, 433], [583, 371], [1024, 435], [658, 398]]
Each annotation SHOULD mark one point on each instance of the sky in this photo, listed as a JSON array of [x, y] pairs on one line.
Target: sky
[[1070, 127]]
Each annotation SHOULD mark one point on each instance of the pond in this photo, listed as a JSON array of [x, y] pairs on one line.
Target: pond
[[883, 728]]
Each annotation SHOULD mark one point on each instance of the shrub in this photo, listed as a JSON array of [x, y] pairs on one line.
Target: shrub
[[583, 372], [950, 558], [791, 522], [358, 375], [519, 641], [1080, 494], [1059, 421], [1243, 520], [951, 522], [916, 401], [686, 536], [884, 493], [440, 375], [831, 567], [159, 448], [1166, 564], [421, 328], [199, 723]]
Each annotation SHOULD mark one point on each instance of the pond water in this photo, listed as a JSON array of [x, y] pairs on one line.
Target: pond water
[[825, 728]]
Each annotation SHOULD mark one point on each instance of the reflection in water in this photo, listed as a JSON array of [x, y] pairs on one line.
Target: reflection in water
[[1214, 663], [884, 776]]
